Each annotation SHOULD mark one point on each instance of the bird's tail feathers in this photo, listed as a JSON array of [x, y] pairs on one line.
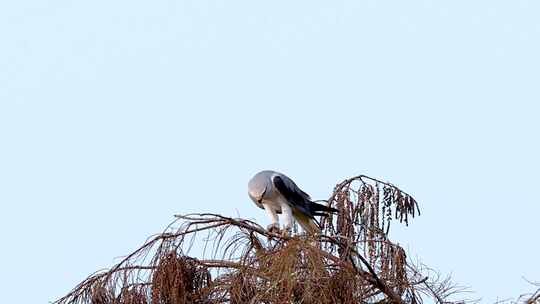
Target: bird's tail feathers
[[319, 209], [309, 225]]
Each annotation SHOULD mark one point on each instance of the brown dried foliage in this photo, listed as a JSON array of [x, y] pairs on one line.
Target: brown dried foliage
[[351, 261], [178, 279], [534, 298], [528, 298]]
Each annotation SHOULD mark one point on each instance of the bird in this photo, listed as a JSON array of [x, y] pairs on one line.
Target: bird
[[278, 194]]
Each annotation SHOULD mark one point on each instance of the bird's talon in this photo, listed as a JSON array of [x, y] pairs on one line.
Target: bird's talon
[[273, 228], [286, 232]]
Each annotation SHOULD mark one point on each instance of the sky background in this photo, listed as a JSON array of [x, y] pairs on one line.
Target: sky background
[[115, 115]]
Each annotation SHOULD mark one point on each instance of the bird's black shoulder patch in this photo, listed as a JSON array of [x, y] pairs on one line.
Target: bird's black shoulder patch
[[292, 196]]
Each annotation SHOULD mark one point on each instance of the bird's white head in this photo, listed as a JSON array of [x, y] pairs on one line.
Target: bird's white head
[[258, 186]]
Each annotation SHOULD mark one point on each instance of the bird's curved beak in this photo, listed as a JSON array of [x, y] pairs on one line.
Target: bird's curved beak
[[261, 197]]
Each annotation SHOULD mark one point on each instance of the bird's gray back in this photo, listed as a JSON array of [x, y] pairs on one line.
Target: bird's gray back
[[262, 183]]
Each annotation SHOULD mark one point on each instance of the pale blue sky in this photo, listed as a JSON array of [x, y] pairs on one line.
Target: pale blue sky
[[115, 115]]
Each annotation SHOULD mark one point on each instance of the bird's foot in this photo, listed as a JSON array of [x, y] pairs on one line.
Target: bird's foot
[[287, 231], [273, 228]]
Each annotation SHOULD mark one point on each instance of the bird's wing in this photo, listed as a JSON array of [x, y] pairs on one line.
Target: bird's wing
[[297, 198]]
